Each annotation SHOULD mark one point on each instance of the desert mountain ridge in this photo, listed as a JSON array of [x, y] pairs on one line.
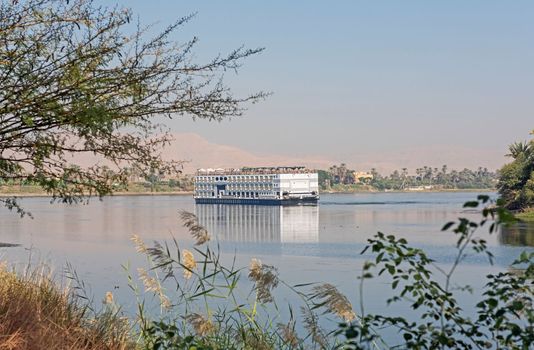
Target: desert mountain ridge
[[198, 152]]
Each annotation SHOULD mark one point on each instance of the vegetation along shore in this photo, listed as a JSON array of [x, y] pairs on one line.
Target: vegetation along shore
[[337, 179], [516, 180]]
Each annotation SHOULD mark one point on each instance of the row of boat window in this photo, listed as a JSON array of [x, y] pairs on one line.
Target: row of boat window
[[235, 178], [237, 194], [238, 186]]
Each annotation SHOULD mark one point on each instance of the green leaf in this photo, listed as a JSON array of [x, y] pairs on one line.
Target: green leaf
[[303, 284], [517, 305], [471, 204], [483, 197], [492, 303], [447, 226], [379, 257]]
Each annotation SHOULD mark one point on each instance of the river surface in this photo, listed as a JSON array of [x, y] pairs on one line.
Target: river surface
[[306, 244]]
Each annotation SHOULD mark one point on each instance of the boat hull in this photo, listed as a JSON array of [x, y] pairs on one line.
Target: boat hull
[[258, 201]]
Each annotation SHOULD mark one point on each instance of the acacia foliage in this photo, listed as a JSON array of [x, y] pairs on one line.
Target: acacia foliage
[[503, 317], [516, 179], [77, 78]]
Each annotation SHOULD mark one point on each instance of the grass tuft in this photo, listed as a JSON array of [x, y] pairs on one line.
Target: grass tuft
[[38, 313]]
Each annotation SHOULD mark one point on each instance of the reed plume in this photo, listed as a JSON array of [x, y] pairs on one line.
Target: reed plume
[[288, 334], [140, 246], [334, 301], [265, 278], [108, 299], [201, 325], [189, 263], [199, 233], [150, 283]]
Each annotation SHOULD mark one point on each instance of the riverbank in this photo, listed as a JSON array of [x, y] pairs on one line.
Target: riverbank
[[527, 215], [434, 190], [33, 191]]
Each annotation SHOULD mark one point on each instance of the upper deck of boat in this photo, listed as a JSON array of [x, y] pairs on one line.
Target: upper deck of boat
[[256, 171]]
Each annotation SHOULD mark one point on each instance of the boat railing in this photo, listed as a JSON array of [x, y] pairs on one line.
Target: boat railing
[[256, 171]]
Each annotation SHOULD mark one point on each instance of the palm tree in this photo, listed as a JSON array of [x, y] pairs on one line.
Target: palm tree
[[333, 173], [404, 176], [419, 173], [517, 148], [455, 178], [342, 172]]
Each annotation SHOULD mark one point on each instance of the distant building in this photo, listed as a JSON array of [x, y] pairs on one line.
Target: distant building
[[362, 176]]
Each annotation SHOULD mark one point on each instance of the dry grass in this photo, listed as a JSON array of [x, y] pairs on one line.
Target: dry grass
[[37, 313]]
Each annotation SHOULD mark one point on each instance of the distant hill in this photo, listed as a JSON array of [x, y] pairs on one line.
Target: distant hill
[[200, 153], [204, 154]]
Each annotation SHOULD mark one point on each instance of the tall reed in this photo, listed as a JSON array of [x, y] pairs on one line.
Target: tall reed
[[206, 304]]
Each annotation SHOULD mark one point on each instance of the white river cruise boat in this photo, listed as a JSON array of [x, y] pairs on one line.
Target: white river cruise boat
[[263, 185]]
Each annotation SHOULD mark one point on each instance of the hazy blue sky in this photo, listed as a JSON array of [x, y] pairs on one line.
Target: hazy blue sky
[[368, 77]]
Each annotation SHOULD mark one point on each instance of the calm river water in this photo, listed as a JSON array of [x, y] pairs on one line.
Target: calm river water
[[307, 244]]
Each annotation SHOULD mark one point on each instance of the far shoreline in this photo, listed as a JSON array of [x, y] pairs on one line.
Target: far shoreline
[[484, 190], [116, 194]]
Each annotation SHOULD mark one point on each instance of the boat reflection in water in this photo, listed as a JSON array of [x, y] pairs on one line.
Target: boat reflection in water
[[258, 223]]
